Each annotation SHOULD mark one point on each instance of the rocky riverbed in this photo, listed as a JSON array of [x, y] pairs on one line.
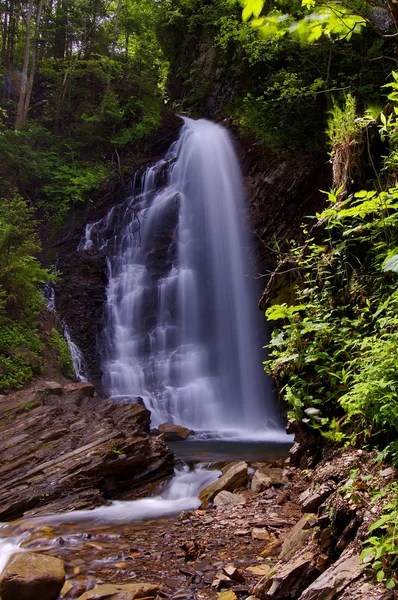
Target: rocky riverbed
[[265, 530]]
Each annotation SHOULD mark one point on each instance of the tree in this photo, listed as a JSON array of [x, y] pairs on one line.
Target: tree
[[338, 19]]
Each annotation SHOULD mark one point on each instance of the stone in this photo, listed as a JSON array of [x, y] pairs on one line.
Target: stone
[[287, 579], [260, 570], [260, 482], [233, 573], [228, 595], [313, 501], [388, 472], [295, 540], [335, 579], [234, 477], [224, 499], [30, 576], [50, 387], [260, 533], [221, 580], [174, 433], [272, 547], [275, 474], [129, 591], [81, 389]]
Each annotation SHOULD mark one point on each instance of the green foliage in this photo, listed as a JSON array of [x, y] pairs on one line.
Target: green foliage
[[329, 19], [62, 352], [335, 352], [381, 548], [20, 354]]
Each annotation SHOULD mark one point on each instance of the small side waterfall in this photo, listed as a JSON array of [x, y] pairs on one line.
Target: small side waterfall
[[182, 329], [79, 364]]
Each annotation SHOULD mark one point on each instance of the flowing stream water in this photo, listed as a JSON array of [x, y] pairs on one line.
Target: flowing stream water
[[182, 328]]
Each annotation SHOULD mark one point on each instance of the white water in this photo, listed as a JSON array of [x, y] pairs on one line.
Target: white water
[[181, 494], [182, 328], [8, 547], [79, 364]]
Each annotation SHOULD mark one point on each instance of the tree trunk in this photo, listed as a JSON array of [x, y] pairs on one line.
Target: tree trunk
[[24, 79], [33, 64], [113, 49]]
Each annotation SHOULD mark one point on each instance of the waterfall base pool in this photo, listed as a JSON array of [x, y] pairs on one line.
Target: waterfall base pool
[[229, 450]]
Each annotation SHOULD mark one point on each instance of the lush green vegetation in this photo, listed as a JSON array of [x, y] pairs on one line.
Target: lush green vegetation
[[81, 84]]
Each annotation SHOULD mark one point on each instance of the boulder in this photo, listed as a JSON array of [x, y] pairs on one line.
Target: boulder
[[275, 474], [224, 499], [335, 579], [129, 591], [30, 576], [234, 477], [79, 390], [260, 482], [50, 388], [174, 433]]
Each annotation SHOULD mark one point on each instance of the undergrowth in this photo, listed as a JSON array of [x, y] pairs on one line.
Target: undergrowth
[[334, 353]]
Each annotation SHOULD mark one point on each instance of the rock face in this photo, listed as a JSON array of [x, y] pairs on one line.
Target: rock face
[[81, 287], [30, 576], [69, 450], [234, 477], [129, 591]]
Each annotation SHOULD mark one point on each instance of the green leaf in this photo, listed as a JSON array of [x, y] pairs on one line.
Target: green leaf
[[391, 264]]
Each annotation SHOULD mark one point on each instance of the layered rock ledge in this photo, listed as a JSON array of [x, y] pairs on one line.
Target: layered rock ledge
[[64, 449]]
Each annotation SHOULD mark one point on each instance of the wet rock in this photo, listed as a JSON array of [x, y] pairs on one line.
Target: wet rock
[[287, 579], [234, 477], [129, 591], [260, 482], [224, 499], [174, 433], [50, 387], [30, 576], [335, 579]]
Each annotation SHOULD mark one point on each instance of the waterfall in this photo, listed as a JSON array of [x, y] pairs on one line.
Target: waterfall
[[182, 328], [79, 364]]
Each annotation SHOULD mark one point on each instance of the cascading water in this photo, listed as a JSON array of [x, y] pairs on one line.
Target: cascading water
[[182, 329], [79, 364]]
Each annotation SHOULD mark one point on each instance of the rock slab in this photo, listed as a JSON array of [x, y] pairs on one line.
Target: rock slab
[[129, 591], [335, 579], [30, 576], [73, 451]]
